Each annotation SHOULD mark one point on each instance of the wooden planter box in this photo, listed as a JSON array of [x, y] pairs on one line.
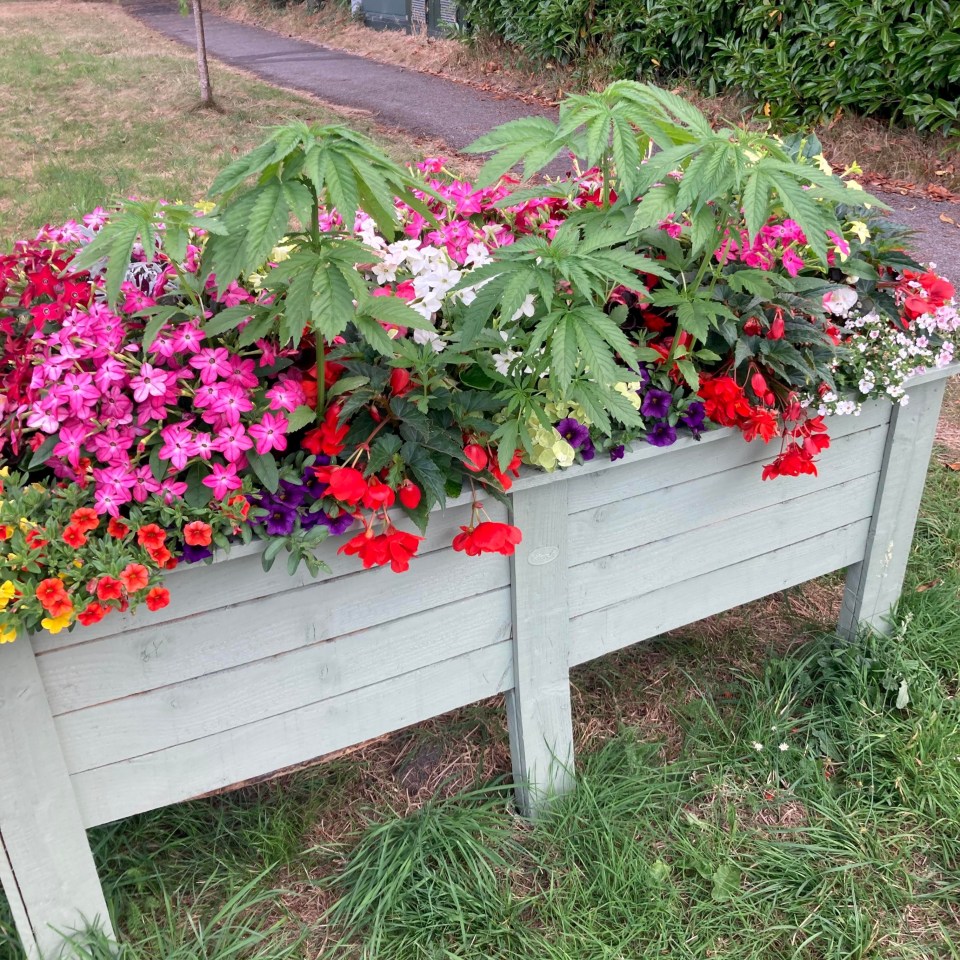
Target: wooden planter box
[[248, 672]]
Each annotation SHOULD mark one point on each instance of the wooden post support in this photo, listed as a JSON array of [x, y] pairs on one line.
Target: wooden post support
[[873, 585], [46, 867], [538, 706]]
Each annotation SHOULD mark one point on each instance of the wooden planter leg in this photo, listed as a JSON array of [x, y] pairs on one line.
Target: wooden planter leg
[[46, 867], [538, 706], [873, 585]]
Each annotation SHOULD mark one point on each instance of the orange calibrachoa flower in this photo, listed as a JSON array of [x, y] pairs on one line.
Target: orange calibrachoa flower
[[198, 534], [117, 528], [151, 537], [92, 613], [109, 589], [134, 576], [51, 594], [73, 536], [158, 598], [85, 519]]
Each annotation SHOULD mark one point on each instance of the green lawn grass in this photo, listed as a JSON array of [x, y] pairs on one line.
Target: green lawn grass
[[685, 838]]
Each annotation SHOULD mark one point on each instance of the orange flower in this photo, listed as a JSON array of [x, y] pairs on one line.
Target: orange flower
[[117, 528], [109, 589], [134, 577], [92, 613], [158, 598], [160, 555], [198, 534], [51, 593], [151, 536], [73, 536], [85, 519]]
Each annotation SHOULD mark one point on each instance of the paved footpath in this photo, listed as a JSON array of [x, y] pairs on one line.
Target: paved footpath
[[428, 106]]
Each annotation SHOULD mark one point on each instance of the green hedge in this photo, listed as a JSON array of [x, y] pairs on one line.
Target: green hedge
[[897, 59]]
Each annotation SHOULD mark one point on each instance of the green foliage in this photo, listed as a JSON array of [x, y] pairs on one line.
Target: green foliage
[[804, 60]]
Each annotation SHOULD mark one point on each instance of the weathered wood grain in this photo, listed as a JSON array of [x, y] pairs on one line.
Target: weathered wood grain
[[538, 706], [686, 601], [156, 656], [622, 576], [199, 766], [668, 511], [874, 584], [220, 701], [46, 866]]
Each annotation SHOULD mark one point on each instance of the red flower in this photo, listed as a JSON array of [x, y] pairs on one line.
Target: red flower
[[92, 613], [723, 400], [134, 577], [488, 537], [158, 598], [346, 484], [109, 589], [117, 528], [793, 462], [476, 457], [73, 536], [378, 495], [198, 534], [777, 327], [35, 540], [512, 467], [760, 423], [85, 519], [395, 548], [399, 381], [51, 594], [161, 555], [328, 438], [410, 494]]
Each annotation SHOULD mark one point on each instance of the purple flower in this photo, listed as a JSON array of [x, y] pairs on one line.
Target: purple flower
[[311, 484], [662, 434], [617, 452], [336, 525], [656, 403], [280, 520], [291, 494], [574, 432], [310, 518], [193, 554], [588, 451], [694, 418]]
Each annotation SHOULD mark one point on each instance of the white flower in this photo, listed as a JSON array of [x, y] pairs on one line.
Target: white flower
[[526, 308], [757, 746], [840, 301], [784, 747]]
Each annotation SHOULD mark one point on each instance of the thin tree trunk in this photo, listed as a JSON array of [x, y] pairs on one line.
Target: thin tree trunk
[[203, 71]]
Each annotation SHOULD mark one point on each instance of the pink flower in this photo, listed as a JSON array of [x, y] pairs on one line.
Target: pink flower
[[136, 299], [212, 362], [187, 338], [70, 443], [222, 480], [178, 446], [791, 262], [144, 483], [232, 442], [232, 401], [205, 445], [149, 382], [270, 433], [234, 295], [80, 392], [286, 395]]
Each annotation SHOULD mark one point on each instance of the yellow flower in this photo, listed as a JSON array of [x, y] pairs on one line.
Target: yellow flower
[[860, 230], [7, 593], [56, 624], [629, 390], [823, 164], [78, 563], [7, 634], [204, 206]]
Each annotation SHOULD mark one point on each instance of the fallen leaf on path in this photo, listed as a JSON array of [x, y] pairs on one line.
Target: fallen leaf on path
[[953, 466], [929, 585], [945, 219]]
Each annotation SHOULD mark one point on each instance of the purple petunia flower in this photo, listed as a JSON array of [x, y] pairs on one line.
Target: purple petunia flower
[[588, 451], [291, 494], [694, 417], [617, 452], [281, 520], [337, 525], [192, 554], [311, 484], [656, 403], [574, 432], [662, 435]]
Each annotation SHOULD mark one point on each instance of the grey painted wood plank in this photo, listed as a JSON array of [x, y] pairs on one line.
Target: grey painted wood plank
[[180, 772], [48, 868], [686, 601], [622, 576], [874, 584], [239, 576], [156, 656], [220, 701], [634, 521], [538, 706]]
